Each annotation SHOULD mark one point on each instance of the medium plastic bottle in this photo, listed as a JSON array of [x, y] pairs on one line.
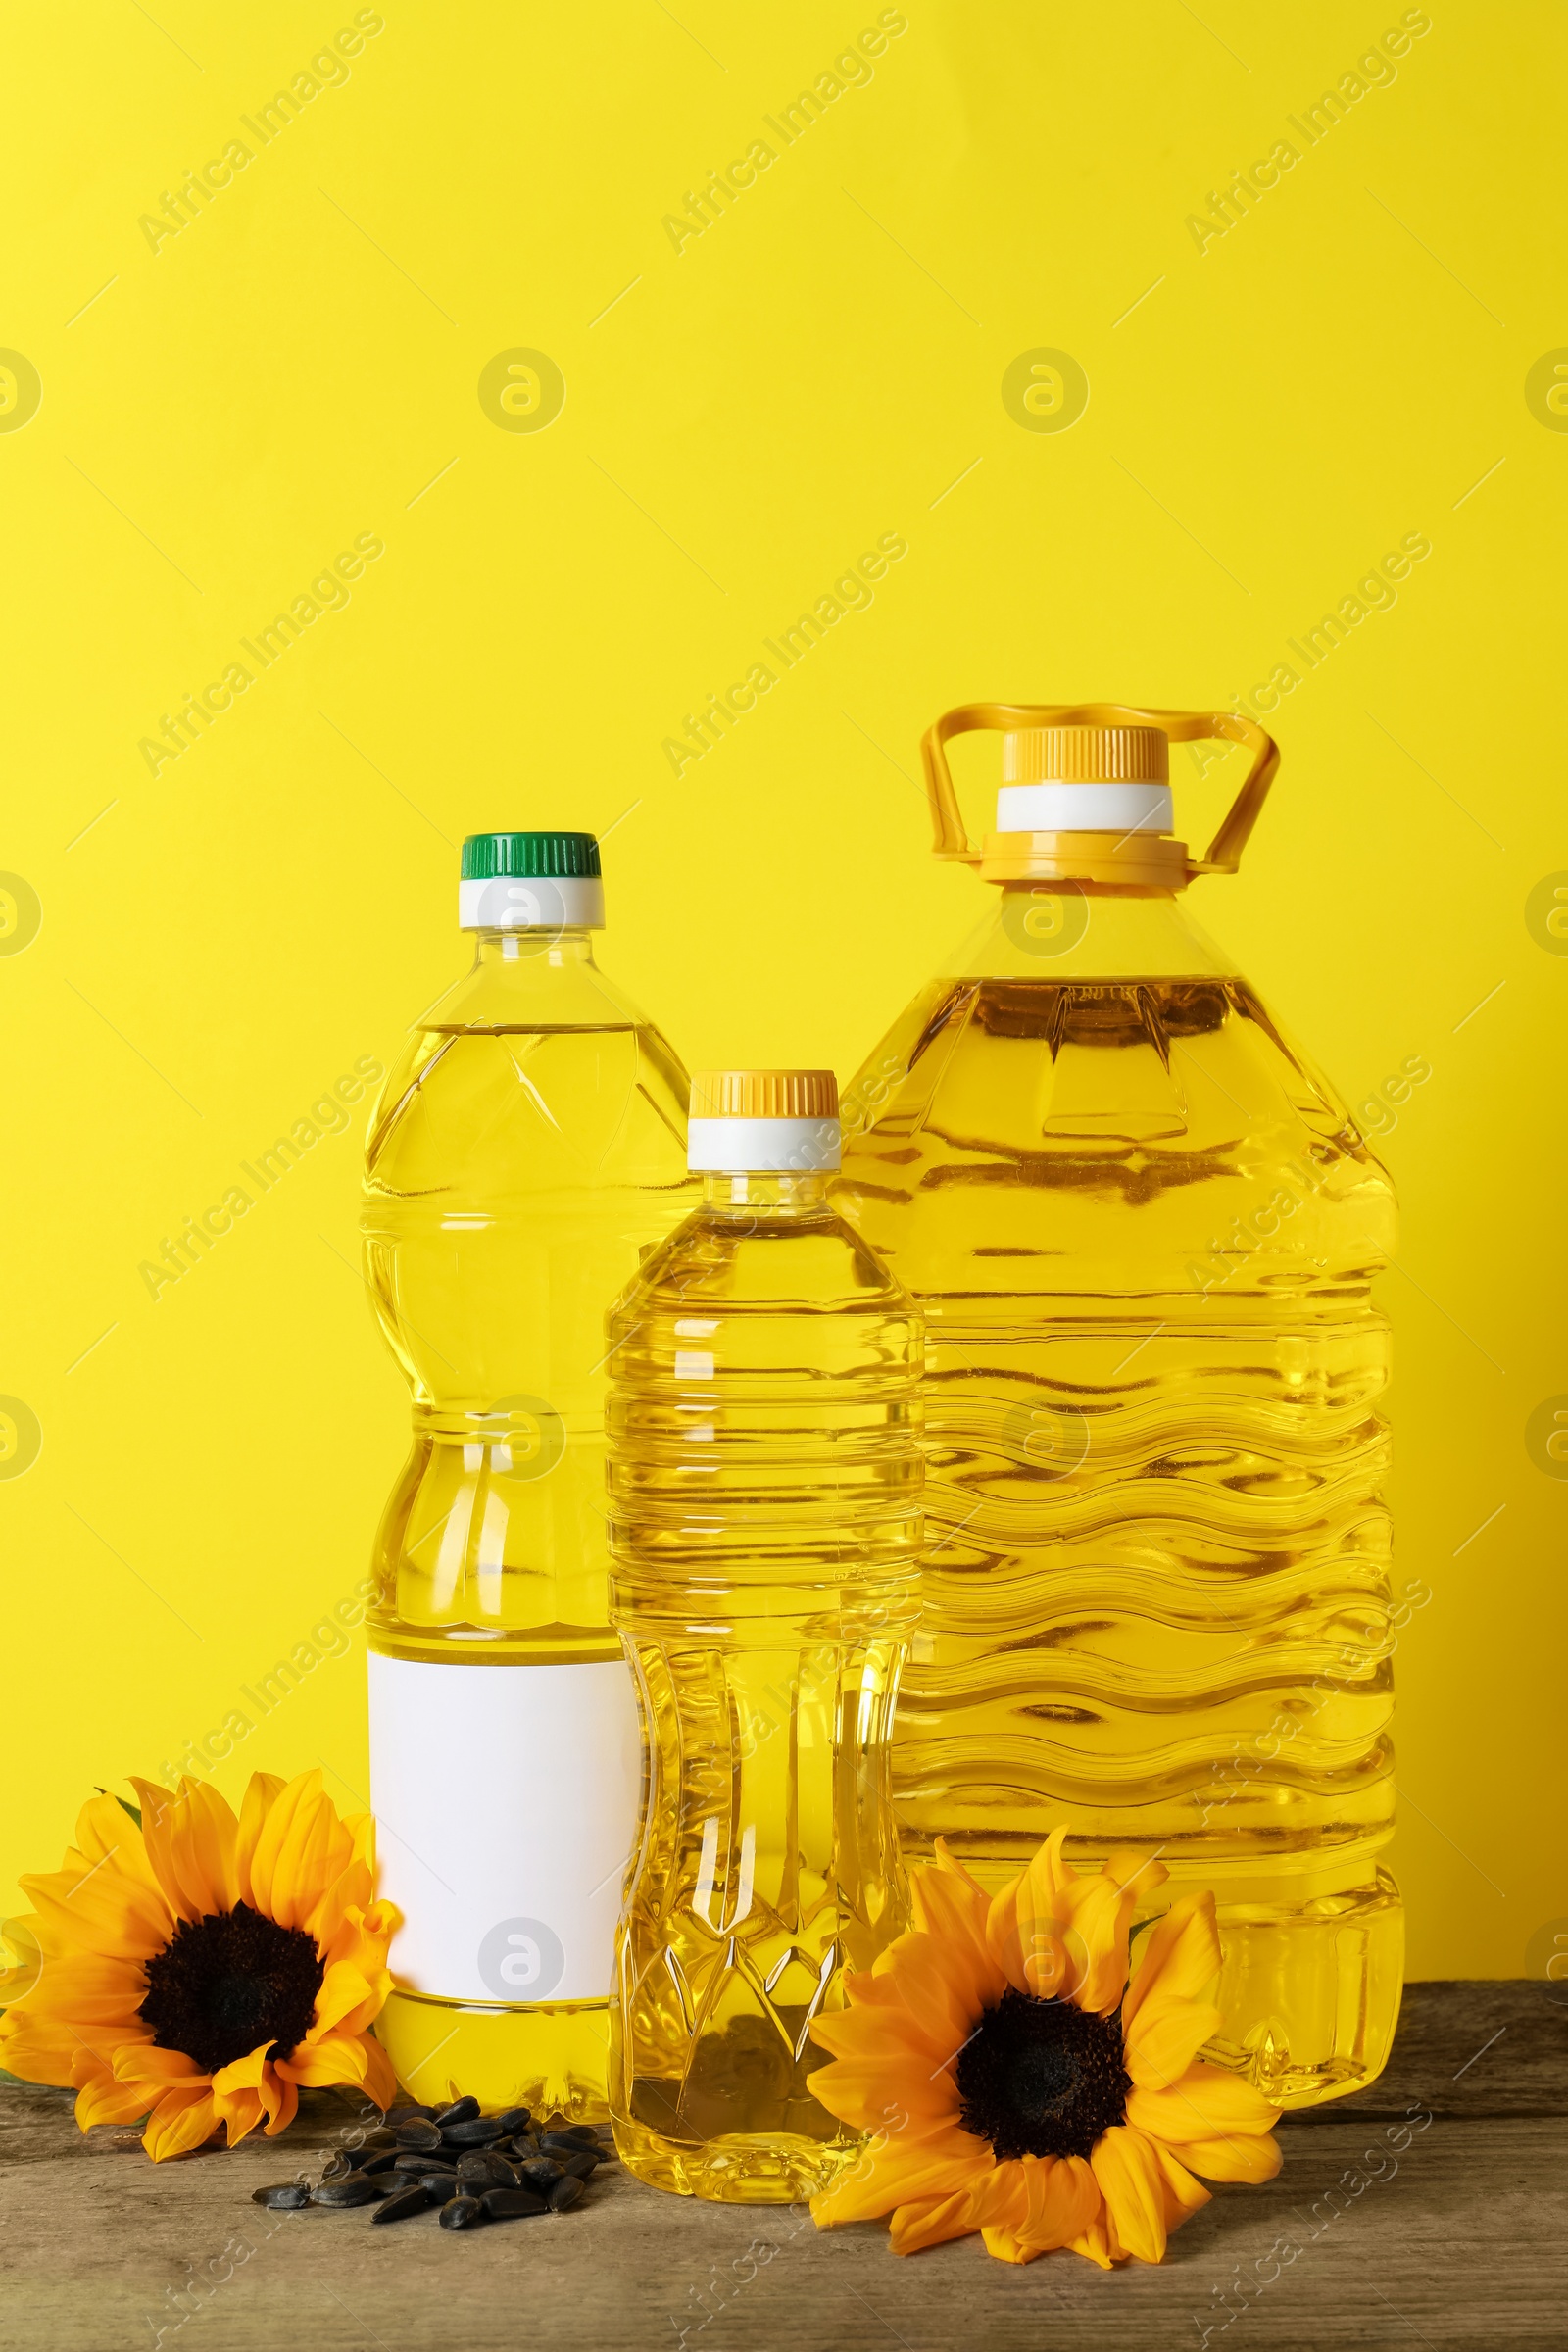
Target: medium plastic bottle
[[764, 1479], [1143, 1232], [528, 1149]]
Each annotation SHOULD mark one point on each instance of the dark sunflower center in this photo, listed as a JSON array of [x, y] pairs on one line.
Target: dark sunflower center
[[1042, 2077], [223, 1983]]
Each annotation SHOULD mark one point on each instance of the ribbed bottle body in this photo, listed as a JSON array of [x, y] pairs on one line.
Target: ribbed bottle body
[[764, 1479], [1156, 1584]]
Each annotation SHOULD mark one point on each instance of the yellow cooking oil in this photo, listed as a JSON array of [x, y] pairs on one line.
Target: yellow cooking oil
[[764, 1477], [1145, 1231], [527, 1150]]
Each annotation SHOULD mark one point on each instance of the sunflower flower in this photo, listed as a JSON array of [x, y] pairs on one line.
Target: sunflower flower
[[198, 1969], [1014, 2081]]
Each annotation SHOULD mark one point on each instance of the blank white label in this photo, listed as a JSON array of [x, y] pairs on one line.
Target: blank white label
[[506, 1805]]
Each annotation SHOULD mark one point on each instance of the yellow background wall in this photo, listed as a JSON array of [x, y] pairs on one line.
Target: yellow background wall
[[199, 947]]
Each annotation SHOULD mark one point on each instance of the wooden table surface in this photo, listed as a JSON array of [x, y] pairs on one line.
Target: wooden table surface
[[1448, 2231]]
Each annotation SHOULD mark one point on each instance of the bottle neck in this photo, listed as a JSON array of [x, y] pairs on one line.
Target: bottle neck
[[532, 979], [544, 950], [1065, 931], [773, 1190]]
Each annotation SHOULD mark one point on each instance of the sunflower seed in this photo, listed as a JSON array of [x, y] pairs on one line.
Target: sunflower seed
[[564, 2195], [519, 2146], [406, 2114], [338, 2167], [461, 2213], [384, 2160], [419, 2160], [482, 2168], [566, 2143], [352, 2189], [285, 2196], [514, 2118], [577, 2168], [540, 2172], [511, 2204], [588, 2133], [474, 2132], [460, 2111], [418, 2133], [418, 2199]]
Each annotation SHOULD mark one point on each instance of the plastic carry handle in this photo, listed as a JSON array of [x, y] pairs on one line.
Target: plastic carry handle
[[952, 841]]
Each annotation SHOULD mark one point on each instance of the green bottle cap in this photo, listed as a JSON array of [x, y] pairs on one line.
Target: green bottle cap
[[552, 856]]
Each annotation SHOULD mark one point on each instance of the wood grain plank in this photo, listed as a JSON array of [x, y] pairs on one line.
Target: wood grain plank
[[1458, 2243]]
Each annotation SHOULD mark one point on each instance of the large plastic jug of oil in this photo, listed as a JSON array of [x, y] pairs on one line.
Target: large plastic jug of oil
[[1143, 1230], [765, 1488], [529, 1147]]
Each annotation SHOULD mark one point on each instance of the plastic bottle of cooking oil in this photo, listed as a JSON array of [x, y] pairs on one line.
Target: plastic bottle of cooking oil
[[764, 1479], [1144, 1231], [528, 1149]]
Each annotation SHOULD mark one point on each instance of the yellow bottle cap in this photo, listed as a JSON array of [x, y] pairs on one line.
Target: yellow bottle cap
[[765, 1094], [1085, 756], [746, 1122]]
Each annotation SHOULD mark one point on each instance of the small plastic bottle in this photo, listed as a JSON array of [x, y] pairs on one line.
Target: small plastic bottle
[[765, 1483]]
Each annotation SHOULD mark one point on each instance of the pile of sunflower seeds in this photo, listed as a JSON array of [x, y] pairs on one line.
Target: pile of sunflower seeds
[[476, 2168]]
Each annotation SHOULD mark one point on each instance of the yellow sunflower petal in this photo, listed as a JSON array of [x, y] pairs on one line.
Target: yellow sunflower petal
[[105, 2101], [1183, 2195], [1207, 2102], [1178, 1958], [1253, 2159], [1098, 2243], [156, 2070], [1002, 2195], [204, 1832], [1164, 2024], [930, 2220], [1133, 2188], [1168, 2039], [182, 2120], [343, 1993], [886, 2037], [159, 1808], [381, 2082], [953, 1907], [99, 2050], [1064, 2197], [302, 1847], [891, 2170], [352, 1887], [105, 1831], [20, 1936], [260, 1798], [873, 2096], [1047, 2202], [1007, 2247], [336, 2058], [240, 2110], [1100, 1911], [86, 1987], [1023, 1926], [95, 1907], [40, 2049], [938, 1987], [250, 2088]]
